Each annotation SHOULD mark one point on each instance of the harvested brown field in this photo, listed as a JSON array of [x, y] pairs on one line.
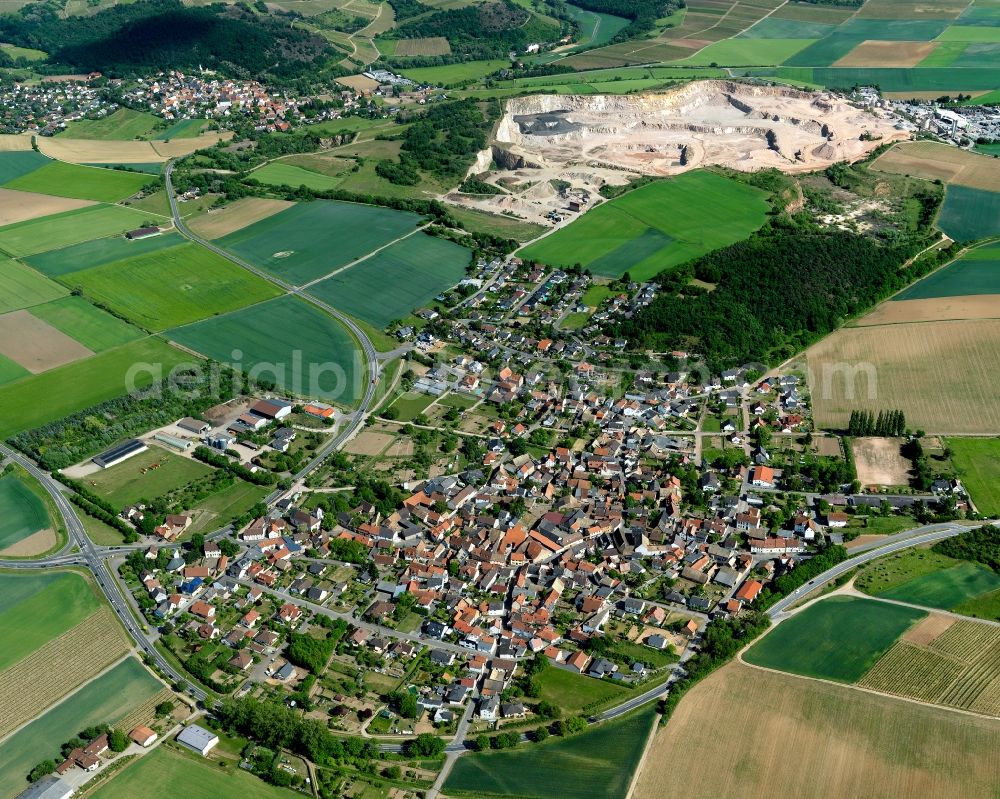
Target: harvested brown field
[[912, 9], [861, 540], [34, 544], [785, 737], [20, 206], [368, 443], [15, 142], [933, 161], [94, 151], [60, 666], [942, 375], [359, 82], [879, 461], [177, 148], [36, 345], [923, 632], [433, 45], [934, 309], [236, 216], [873, 53]]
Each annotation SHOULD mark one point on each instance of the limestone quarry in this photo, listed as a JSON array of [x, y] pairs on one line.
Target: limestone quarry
[[548, 149]]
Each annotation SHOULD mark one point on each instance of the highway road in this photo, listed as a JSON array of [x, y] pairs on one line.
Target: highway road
[[912, 538]]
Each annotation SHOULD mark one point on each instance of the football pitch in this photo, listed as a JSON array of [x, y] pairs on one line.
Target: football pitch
[[313, 239], [390, 284], [287, 340], [172, 287], [656, 227]]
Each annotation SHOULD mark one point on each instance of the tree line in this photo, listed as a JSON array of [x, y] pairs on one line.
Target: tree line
[[887, 423]]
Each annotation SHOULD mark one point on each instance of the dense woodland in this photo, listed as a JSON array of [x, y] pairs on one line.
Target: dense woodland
[[981, 546], [775, 293], [151, 35], [642, 13], [482, 31]]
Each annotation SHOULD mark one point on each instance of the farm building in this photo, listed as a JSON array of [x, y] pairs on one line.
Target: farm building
[[143, 233], [271, 409], [197, 739], [48, 788], [119, 453], [142, 736], [194, 425]]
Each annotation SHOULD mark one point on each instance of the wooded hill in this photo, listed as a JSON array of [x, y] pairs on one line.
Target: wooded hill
[[151, 35]]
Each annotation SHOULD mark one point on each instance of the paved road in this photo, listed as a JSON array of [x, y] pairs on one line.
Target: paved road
[[924, 535]]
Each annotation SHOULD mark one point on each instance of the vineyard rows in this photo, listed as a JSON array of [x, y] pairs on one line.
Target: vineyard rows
[[146, 712], [967, 639], [913, 671], [63, 664], [978, 682]]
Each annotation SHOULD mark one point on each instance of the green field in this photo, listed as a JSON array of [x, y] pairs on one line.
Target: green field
[[21, 287], [97, 330], [839, 638], [125, 484], [393, 282], [80, 182], [590, 765], [774, 28], [312, 239], [23, 52], [411, 404], [45, 397], [970, 33], [453, 73], [72, 227], [977, 461], [230, 503], [310, 352], [657, 226], [187, 775], [748, 52], [105, 700], [946, 588], [985, 606], [22, 512], [78, 257], [943, 79], [121, 125], [578, 693], [17, 164], [279, 174], [11, 371], [969, 214], [172, 287], [509, 227], [595, 29], [181, 129], [978, 272], [43, 607], [901, 567]]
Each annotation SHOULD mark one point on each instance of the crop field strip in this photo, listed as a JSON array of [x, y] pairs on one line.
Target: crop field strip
[[80, 182], [21, 287], [92, 327], [72, 227], [97, 252], [908, 363], [404, 276], [58, 667], [39, 399], [310, 240], [171, 287], [799, 748], [22, 512], [271, 333]]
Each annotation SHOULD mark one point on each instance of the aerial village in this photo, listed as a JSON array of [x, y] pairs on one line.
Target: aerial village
[[585, 516]]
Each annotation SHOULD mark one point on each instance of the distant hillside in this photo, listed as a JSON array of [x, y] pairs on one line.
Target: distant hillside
[[164, 34], [483, 31]]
